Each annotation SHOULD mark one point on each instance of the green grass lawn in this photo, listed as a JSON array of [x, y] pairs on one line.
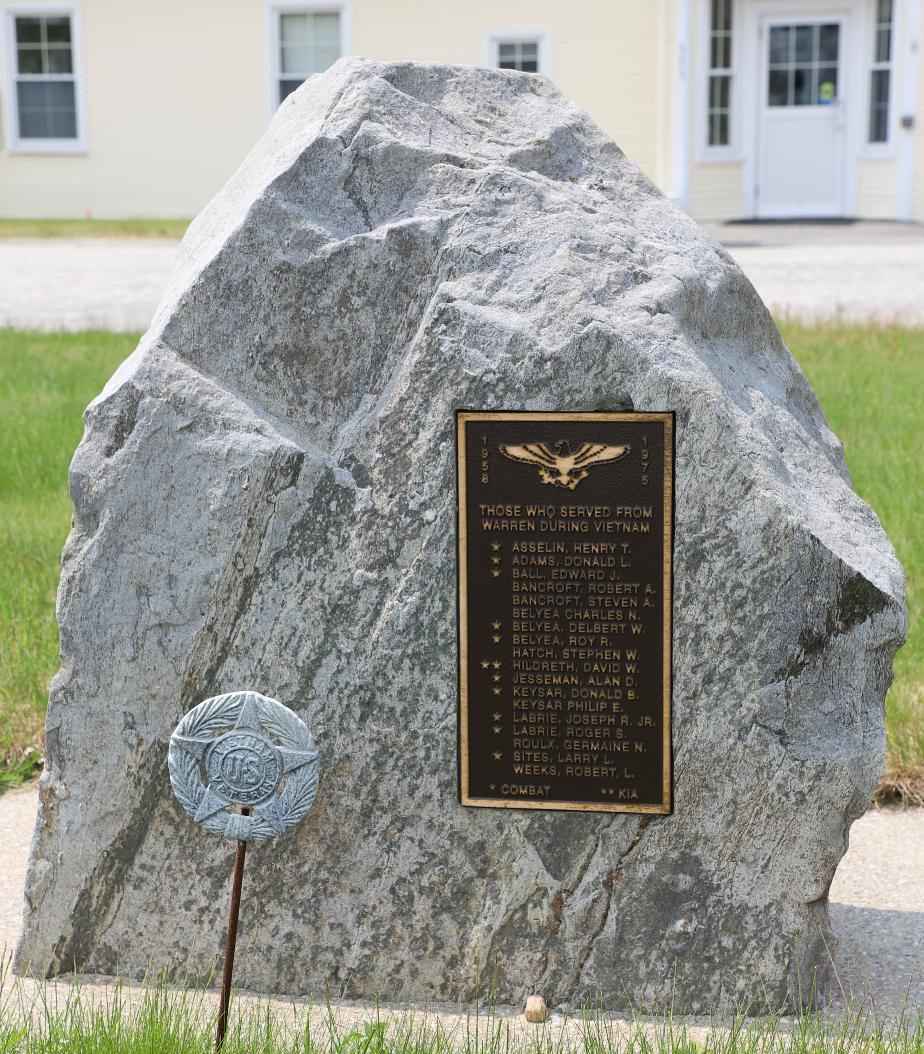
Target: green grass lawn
[[93, 228], [870, 382], [46, 380]]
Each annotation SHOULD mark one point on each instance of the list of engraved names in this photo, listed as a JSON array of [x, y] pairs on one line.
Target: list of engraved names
[[565, 610]]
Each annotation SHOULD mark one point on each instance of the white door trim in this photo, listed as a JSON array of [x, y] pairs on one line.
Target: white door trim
[[684, 58], [852, 70], [905, 102]]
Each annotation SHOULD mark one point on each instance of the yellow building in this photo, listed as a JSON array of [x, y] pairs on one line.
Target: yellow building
[[736, 108]]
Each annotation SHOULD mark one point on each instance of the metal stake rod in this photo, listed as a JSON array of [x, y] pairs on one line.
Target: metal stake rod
[[236, 882]]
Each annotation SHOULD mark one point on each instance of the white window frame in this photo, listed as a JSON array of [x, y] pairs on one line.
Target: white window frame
[[886, 148], [13, 142], [493, 38], [275, 8], [731, 151]]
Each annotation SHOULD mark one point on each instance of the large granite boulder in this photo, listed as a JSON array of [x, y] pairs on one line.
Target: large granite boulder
[[264, 498]]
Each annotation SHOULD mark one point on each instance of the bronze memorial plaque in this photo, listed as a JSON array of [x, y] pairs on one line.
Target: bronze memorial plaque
[[565, 535]]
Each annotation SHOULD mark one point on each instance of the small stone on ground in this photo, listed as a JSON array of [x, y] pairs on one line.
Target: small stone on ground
[[536, 1010]]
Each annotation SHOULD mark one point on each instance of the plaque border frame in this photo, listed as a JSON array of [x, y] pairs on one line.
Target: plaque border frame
[[463, 417]]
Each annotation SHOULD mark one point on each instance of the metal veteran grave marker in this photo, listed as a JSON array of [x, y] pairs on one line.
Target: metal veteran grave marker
[[246, 767], [565, 531]]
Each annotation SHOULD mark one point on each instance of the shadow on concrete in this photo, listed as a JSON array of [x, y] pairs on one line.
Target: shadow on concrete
[[879, 956]]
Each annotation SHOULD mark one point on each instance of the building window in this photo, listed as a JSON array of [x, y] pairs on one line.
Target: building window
[[526, 50], [718, 109], [522, 55], [803, 65], [43, 96], [881, 77], [309, 42]]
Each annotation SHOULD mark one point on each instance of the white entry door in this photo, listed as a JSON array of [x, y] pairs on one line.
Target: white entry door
[[801, 121]]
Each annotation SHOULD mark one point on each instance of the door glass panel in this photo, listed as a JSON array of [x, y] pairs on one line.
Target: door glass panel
[[779, 45], [802, 86], [805, 36], [827, 85], [803, 64], [827, 43], [779, 87]]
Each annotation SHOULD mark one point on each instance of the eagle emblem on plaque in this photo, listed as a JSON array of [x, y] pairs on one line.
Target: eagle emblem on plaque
[[564, 467]]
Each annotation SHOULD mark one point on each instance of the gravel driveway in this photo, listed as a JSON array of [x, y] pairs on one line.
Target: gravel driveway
[[877, 900], [82, 283], [854, 271]]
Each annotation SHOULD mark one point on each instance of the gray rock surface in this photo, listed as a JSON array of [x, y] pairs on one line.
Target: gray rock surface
[[264, 498]]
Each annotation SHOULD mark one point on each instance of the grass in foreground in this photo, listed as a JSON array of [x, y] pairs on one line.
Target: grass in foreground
[[46, 380], [869, 381], [49, 1020], [93, 228]]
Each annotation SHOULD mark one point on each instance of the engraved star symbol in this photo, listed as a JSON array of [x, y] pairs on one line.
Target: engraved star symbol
[[497, 717], [497, 677], [496, 664], [497, 729], [248, 720], [493, 786], [495, 625], [496, 639], [485, 664], [496, 574], [495, 559], [495, 546], [497, 691], [498, 754]]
